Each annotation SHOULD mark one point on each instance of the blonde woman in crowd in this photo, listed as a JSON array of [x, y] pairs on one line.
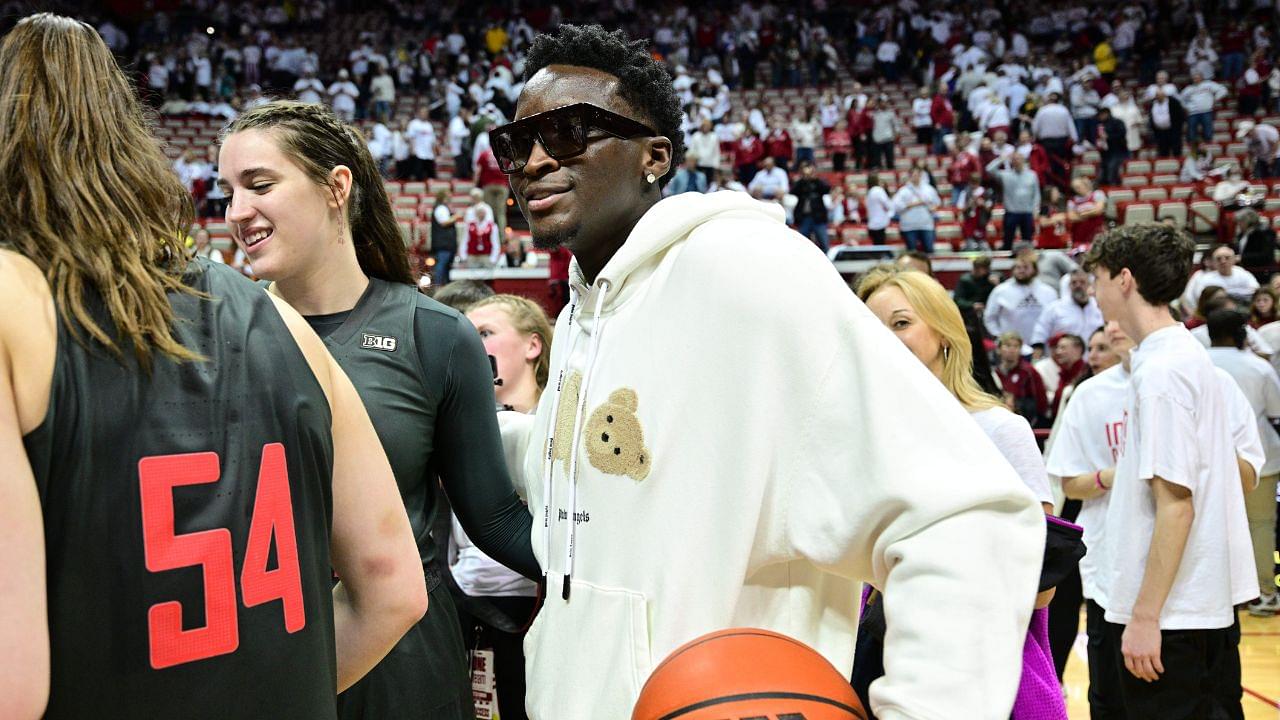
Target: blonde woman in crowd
[[499, 604], [917, 309]]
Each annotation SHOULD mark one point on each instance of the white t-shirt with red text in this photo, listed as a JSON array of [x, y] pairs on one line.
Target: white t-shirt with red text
[[1091, 438]]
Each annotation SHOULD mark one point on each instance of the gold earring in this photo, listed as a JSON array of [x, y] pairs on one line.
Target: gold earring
[[651, 178]]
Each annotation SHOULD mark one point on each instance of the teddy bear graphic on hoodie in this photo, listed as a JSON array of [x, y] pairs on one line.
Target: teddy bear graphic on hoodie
[[613, 436]]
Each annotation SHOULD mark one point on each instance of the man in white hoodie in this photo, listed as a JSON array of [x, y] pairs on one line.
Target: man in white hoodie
[[752, 466]]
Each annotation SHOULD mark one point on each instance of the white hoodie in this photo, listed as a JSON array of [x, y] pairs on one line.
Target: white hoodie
[[747, 454]]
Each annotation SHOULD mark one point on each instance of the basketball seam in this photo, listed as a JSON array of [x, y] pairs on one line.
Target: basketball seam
[[761, 696], [751, 633]]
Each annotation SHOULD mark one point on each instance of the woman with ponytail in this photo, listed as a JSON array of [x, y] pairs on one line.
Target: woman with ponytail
[[308, 207]]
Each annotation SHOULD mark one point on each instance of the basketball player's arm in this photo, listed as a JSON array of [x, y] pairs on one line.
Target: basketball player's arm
[[469, 451], [382, 592], [24, 625], [1140, 643]]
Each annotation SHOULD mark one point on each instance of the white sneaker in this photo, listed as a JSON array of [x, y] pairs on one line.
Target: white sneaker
[[1265, 606]]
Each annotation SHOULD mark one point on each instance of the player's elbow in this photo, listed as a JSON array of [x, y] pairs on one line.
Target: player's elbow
[[404, 596]]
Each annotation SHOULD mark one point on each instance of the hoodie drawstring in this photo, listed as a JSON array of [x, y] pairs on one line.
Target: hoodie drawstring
[[602, 287], [549, 458], [548, 465]]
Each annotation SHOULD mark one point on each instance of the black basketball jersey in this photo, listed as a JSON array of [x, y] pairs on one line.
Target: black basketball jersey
[[187, 516], [422, 372]]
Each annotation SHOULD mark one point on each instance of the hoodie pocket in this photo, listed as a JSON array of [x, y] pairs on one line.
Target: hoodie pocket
[[589, 657]]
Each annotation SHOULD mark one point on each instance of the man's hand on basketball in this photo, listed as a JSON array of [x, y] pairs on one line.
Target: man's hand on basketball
[[1140, 646]]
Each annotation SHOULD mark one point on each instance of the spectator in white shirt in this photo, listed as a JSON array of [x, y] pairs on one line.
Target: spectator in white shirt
[[1263, 141], [805, 134], [1017, 303], [158, 77], [921, 116], [1238, 282], [1199, 99], [770, 183], [1201, 57], [382, 88], [380, 147], [1054, 127], [400, 152], [880, 209], [422, 143], [915, 203], [705, 146], [252, 55], [1257, 379], [887, 58], [1084, 107], [1196, 166], [343, 94], [202, 71], [1161, 83], [308, 88], [459, 136], [1077, 314]]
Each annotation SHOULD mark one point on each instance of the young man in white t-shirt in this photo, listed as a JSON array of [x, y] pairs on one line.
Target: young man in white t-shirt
[[1178, 557], [1257, 379], [1086, 446]]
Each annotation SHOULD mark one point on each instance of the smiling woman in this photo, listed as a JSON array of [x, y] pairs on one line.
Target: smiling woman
[[308, 206]]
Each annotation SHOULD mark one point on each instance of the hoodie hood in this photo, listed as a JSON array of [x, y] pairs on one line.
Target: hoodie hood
[[670, 220]]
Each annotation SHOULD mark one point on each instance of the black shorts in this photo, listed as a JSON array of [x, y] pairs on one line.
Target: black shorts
[[426, 676], [1201, 680]]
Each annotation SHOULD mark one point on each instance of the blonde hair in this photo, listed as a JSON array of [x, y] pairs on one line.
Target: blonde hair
[[931, 303], [528, 318]]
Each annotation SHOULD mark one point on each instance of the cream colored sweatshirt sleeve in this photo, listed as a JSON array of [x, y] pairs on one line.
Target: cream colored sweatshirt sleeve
[[892, 482]]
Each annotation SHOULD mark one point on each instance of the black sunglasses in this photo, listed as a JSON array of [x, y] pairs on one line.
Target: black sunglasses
[[562, 132]]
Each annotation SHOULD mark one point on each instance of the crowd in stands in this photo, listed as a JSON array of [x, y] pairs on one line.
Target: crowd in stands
[[1022, 96]]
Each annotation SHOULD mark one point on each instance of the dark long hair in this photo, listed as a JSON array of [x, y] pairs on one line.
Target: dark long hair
[[85, 192], [314, 138]]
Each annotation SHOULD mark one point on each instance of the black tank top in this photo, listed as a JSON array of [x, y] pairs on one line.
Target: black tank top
[[187, 515]]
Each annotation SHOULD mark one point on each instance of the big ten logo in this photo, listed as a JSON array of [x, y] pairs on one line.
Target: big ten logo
[[379, 342], [781, 716], [1277, 562]]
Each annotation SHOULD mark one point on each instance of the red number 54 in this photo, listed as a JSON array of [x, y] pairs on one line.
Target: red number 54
[[211, 550]]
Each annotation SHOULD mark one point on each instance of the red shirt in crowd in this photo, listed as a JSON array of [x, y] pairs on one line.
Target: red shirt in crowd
[[558, 263], [1233, 41], [1024, 382], [1067, 374], [941, 112], [961, 167], [778, 144], [1053, 234], [1084, 231], [749, 151], [838, 141], [859, 122], [488, 173]]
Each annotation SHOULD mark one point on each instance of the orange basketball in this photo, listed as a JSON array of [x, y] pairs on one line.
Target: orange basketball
[[747, 673]]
